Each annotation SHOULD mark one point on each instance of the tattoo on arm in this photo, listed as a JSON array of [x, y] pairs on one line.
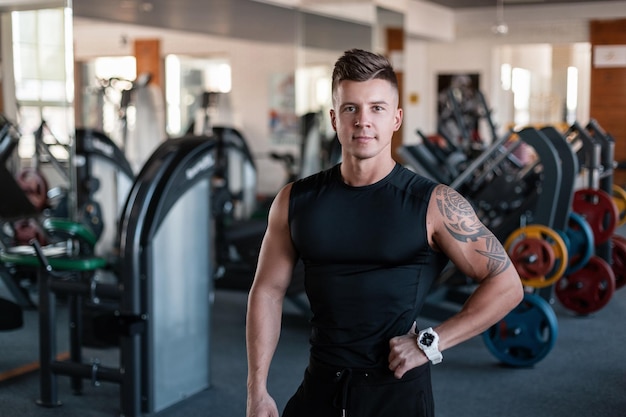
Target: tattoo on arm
[[463, 224]]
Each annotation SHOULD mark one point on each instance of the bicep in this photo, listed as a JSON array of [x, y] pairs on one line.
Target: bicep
[[456, 230], [277, 255]]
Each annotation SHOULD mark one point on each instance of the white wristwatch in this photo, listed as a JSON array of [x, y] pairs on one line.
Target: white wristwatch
[[428, 342]]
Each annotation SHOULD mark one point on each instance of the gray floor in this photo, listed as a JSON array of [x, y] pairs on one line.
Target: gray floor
[[583, 376]]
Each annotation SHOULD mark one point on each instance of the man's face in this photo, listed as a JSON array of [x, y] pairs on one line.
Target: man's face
[[365, 114]]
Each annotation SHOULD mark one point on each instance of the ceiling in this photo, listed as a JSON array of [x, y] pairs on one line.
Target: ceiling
[[240, 19], [262, 20]]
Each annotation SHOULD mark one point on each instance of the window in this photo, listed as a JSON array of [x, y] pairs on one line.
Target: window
[[43, 70], [520, 85]]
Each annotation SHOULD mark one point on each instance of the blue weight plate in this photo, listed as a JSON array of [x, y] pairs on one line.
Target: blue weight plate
[[581, 244], [526, 335]]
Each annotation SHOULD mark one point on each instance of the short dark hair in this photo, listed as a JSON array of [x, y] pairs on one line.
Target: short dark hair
[[360, 65]]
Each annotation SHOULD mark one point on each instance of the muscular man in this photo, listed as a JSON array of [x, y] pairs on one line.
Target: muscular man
[[373, 237]]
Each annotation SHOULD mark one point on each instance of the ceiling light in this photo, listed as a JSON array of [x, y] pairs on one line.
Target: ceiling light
[[500, 28]]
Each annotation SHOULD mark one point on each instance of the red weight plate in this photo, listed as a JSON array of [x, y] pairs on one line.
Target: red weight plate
[[35, 187], [25, 230], [618, 258], [600, 211], [588, 289], [532, 258]]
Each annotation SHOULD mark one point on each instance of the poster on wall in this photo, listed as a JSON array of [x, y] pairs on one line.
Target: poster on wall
[[609, 56], [283, 121]]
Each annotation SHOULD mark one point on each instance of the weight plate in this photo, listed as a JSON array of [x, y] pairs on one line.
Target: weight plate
[[619, 198], [25, 230], [588, 289], [524, 336], [35, 186], [532, 257], [618, 258], [600, 211], [552, 240], [580, 243]]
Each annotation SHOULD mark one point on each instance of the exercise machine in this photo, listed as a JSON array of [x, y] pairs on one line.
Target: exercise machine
[[165, 278], [104, 178]]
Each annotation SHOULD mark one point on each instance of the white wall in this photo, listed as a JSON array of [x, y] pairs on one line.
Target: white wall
[[417, 90]]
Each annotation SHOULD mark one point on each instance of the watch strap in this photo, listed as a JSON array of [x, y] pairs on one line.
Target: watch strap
[[434, 355]]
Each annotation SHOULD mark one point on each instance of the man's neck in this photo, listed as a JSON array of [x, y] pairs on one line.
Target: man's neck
[[359, 173]]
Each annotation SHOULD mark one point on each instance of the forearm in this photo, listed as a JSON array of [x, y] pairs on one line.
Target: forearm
[[263, 324], [493, 299], [488, 304]]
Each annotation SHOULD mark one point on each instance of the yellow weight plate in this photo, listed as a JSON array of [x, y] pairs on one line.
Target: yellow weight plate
[[619, 197], [556, 244]]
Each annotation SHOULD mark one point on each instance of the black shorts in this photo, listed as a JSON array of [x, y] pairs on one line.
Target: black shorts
[[329, 392]]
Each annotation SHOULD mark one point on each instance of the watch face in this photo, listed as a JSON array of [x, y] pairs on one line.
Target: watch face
[[427, 339]]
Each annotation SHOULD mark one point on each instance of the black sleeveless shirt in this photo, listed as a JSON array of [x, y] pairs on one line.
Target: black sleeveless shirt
[[368, 265]]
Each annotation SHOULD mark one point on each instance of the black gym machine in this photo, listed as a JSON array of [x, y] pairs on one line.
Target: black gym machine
[[163, 276], [117, 277]]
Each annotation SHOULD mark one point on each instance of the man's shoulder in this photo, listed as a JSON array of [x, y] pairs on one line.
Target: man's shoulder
[[413, 182]]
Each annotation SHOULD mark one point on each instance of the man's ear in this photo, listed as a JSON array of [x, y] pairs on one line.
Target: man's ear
[[398, 121], [333, 120]]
